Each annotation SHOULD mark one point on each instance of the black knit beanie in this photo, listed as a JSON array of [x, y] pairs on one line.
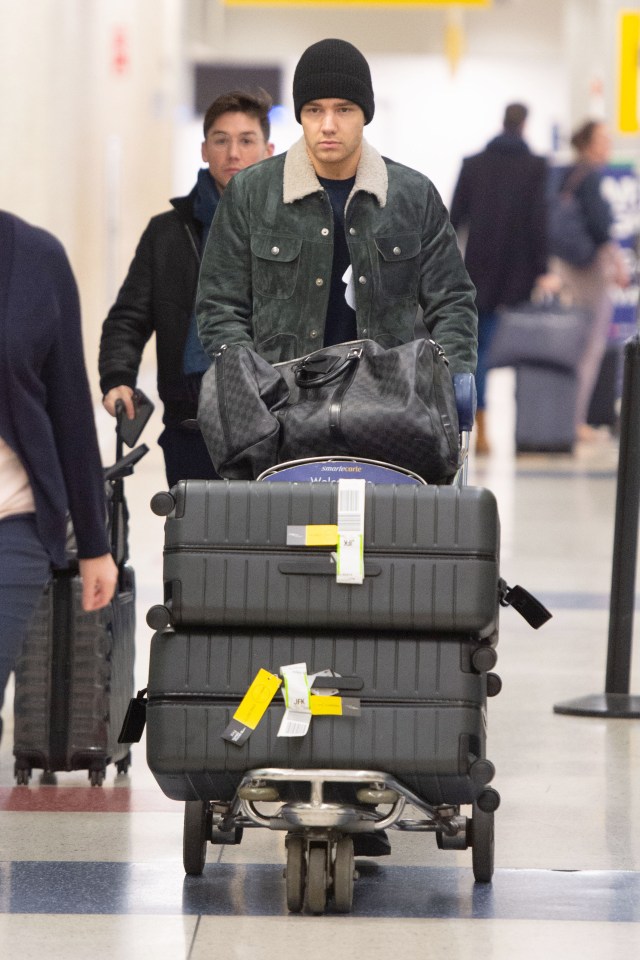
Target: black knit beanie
[[333, 68]]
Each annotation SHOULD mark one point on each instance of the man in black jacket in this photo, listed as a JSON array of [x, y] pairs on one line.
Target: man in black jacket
[[500, 199], [159, 291]]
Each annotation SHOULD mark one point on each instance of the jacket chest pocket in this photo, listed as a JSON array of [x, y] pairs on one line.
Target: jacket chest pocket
[[275, 263], [399, 265]]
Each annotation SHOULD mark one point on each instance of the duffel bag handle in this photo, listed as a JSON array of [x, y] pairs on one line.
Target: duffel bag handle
[[306, 376]]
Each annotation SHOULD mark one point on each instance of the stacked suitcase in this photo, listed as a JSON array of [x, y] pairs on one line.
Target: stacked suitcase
[[418, 635]]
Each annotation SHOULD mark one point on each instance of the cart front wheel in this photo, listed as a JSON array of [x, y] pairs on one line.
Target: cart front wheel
[[482, 844], [343, 875], [317, 879], [197, 830], [296, 873]]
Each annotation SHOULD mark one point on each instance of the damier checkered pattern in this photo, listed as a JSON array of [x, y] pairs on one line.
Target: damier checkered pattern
[[396, 405]]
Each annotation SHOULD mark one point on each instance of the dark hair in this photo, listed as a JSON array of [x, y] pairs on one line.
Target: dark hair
[[514, 117], [582, 137], [239, 101]]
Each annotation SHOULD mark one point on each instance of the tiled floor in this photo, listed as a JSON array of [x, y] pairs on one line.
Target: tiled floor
[[97, 872]]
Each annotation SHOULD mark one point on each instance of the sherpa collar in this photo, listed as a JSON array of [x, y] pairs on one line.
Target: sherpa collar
[[300, 178]]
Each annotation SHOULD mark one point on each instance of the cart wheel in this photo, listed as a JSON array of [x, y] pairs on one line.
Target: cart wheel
[[197, 831], [343, 875], [122, 766], [23, 775], [96, 777], [296, 873], [482, 844], [317, 879]]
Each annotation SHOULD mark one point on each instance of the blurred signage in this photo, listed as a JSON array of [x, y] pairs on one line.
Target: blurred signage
[[629, 72], [358, 3], [621, 187], [119, 50]]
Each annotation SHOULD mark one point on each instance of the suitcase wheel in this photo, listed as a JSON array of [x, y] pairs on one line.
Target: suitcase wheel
[[96, 777], [122, 766], [23, 775]]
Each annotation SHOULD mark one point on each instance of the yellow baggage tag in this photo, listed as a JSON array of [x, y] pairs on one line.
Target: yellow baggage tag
[[252, 707]]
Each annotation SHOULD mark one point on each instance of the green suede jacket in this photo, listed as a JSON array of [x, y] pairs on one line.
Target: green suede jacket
[[265, 277]]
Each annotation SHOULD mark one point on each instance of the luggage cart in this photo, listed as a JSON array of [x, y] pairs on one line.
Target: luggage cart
[[320, 792]]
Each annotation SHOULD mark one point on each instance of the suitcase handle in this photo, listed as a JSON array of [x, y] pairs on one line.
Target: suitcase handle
[[338, 683], [316, 567]]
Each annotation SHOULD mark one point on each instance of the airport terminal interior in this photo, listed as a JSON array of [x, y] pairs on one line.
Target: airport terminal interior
[[101, 867], [97, 871]]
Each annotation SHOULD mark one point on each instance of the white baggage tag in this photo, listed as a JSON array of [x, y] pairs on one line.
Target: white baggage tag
[[297, 716], [350, 553], [350, 292]]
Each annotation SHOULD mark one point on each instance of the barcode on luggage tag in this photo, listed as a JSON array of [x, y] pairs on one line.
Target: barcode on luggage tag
[[350, 509], [291, 727]]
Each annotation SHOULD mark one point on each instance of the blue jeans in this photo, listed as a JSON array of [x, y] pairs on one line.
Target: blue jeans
[[487, 323], [24, 571]]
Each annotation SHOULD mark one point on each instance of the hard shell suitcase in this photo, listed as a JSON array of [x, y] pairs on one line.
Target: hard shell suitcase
[[74, 680], [422, 709], [74, 677], [545, 409], [430, 558]]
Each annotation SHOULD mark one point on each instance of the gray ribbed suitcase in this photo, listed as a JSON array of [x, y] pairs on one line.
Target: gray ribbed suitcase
[[74, 680], [423, 710], [545, 409], [431, 558]]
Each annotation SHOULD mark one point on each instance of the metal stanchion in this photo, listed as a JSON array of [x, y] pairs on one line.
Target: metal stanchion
[[616, 700]]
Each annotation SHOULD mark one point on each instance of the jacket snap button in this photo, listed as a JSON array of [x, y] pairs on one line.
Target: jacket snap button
[[313, 333], [352, 231], [362, 279], [319, 282], [325, 231], [275, 250], [397, 250]]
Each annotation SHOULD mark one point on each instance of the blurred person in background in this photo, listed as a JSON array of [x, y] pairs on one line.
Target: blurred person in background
[[499, 202], [158, 294], [49, 455], [590, 286]]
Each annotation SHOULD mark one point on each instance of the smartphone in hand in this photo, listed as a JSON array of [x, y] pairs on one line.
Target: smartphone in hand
[[130, 430]]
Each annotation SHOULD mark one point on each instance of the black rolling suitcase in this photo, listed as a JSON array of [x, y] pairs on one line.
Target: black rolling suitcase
[[545, 409], [422, 709], [430, 558], [74, 677], [74, 680]]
